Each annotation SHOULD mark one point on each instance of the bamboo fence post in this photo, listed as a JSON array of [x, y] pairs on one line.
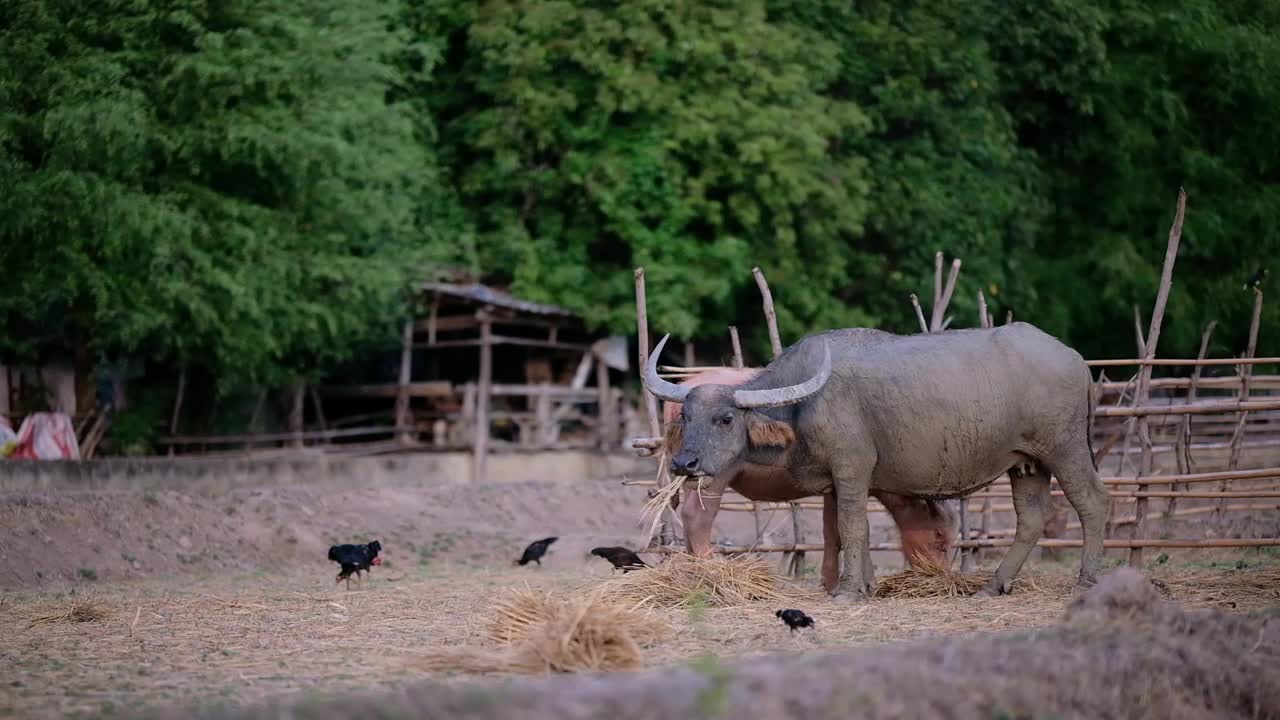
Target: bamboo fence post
[[1246, 375], [1008, 318], [481, 444], [1182, 443], [1144, 375], [940, 309], [775, 343], [402, 388], [737, 347], [642, 331], [984, 320], [937, 284], [667, 525], [797, 539], [771, 317], [915, 303]]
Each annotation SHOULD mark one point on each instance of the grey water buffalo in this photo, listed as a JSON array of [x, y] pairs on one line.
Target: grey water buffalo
[[925, 526], [937, 415]]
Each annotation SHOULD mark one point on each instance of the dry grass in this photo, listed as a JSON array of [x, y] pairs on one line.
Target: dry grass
[[929, 579], [720, 581], [544, 631], [242, 639], [87, 609]]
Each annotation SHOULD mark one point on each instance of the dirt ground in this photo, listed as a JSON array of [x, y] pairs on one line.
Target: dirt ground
[[226, 600]]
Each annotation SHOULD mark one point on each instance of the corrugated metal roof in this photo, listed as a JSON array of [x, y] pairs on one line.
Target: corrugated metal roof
[[485, 295]]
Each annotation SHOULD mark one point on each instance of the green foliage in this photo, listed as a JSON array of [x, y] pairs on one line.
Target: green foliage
[[248, 189], [223, 184], [694, 139]]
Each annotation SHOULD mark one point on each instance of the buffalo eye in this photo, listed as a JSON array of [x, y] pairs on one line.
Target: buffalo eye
[[725, 420]]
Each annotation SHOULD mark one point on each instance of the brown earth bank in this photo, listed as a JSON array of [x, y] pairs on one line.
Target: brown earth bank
[[1119, 651]]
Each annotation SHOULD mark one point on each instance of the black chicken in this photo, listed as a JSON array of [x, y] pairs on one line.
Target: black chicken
[[355, 559], [1256, 280], [535, 551], [620, 557], [795, 619]]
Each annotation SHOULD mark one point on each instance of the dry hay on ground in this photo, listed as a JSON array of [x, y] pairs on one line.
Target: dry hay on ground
[[542, 631], [1118, 651], [927, 578], [683, 580], [87, 609]]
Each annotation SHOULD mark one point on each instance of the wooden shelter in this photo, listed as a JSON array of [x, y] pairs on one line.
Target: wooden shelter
[[486, 370]]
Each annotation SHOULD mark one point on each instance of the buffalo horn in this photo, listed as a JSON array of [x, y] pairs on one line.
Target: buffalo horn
[[775, 397], [661, 389]]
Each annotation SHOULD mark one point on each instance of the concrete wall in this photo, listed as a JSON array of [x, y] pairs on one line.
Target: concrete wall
[[212, 475]]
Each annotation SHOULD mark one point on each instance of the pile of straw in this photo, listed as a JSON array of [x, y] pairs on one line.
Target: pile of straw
[[684, 580], [549, 632], [929, 579], [89, 609]]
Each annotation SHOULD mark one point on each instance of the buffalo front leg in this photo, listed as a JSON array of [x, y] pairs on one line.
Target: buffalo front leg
[[851, 509], [698, 512], [1079, 481], [1031, 505]]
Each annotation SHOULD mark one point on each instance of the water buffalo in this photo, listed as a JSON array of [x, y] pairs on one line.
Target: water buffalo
[[936, 415], [924, 525]]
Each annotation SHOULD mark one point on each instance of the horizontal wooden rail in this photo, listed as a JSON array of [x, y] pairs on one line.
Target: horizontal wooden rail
[[999, 542], [274, 437], [1204, 408]]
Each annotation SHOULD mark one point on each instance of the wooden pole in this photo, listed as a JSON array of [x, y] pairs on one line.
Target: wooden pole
[[315, 403], [797, 536], [481, 446], [915, 303], [177, 404], [1008, 318], [737, 347], [642, 330], [939, 310], [984, 320], [1246, 374], [542, 415], [937, 286], [1200, 408], [1152, 342], [771, 317], [296, 409], [402, 386], [605, 434], [1182, 444]]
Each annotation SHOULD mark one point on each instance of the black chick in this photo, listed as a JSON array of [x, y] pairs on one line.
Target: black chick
[[355, 559], [795, 619], [535, 551], [620, 557], [1256, 280]]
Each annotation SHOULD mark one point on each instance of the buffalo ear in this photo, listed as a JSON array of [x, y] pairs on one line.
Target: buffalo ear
[[770, 433]]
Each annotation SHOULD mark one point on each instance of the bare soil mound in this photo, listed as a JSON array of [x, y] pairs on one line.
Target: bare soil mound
[[1120, 651]]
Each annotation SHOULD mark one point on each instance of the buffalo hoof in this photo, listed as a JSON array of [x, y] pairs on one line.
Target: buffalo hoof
[[994, 589], [846, 593]]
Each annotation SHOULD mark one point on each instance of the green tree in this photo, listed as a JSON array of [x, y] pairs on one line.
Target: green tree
[[225, 184], [695, 139]]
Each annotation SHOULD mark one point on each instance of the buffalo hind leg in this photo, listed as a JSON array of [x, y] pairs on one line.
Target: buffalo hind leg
[[1079, 481], [1031, 505]]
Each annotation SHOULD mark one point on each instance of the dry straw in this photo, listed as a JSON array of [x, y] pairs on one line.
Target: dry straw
[[719, 581], [542, 631], [89, 609], [927, 578]]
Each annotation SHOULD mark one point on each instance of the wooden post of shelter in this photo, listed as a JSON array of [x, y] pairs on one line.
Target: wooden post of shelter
[[177, 404], [1152, 341], [296, 410], [481, 445], [403, 425], [604, 395]]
